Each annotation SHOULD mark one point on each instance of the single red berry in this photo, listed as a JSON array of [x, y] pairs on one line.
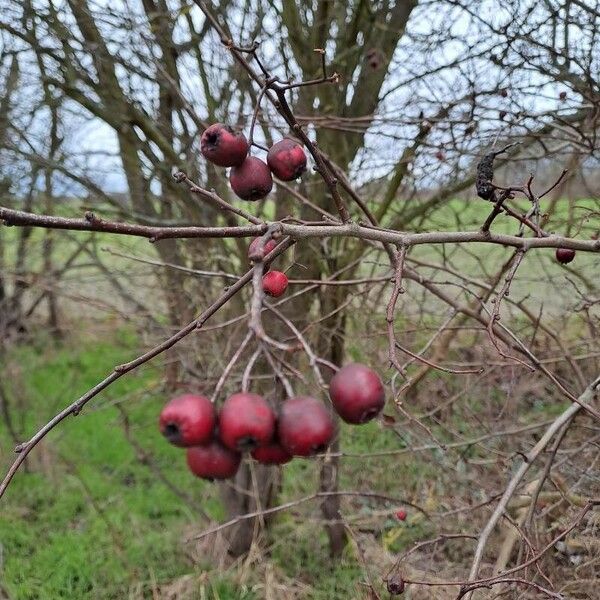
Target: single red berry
[[305, 426], [504, 93], [251, 180], [440, 155], [188, 420], [287, 160], [213, 461], [223, 146], [273, 454], [246, 421], [253, 252], [565, 255], [275, 283], [401, 515], [563, 95], [357, 393]]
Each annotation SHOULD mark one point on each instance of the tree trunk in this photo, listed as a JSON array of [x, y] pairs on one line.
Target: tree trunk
[[332, 347], [255, 487]]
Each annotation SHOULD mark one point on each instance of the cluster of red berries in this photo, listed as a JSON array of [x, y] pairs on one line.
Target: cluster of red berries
[[303, 426], [250, 177]]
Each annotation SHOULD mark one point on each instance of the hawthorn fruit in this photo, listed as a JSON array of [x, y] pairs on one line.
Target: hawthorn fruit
[[246, 421], [287, 160], [273, 454], [395, 585], [357, 393], [275, 283], [401, 515], [305, 426], [251, 180], [222, 146], [188, 420], [213, 461], [253, 252]]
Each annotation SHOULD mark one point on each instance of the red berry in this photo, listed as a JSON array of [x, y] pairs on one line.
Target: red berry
[[253, 248], [246, 421], [563, 95], [401, 515], [213, 461], [188, 420], [565, 255], [251, 180], [440, 155], [357, 393], [223, 146], [287, 160], [275, 283], [273, 454], [305, 426]]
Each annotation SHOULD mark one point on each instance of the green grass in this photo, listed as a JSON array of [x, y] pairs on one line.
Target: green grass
[[95, 520]]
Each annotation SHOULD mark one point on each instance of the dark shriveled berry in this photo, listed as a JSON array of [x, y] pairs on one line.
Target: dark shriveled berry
[[485, 173], [395, 585]]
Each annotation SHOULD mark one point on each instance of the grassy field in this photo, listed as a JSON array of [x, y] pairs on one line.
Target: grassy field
[[87, 520]]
